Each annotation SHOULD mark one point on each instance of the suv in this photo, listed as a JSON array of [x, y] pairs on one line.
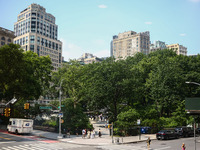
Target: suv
[[184, 131]]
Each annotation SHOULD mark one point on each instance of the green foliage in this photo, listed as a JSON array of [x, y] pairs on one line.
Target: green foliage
[[50, 123], [147, 87], [73, 116], [23, 75], [127, 119]]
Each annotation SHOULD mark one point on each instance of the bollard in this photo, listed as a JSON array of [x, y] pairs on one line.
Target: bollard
[[117, 140]]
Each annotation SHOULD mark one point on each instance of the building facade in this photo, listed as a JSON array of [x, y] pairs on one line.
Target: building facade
[[6, 36], [129, 43], [179, 49], [36, 30], [157, 45], [88, 58]]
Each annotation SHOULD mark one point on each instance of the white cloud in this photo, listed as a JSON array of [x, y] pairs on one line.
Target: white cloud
[[102, 53], [102, 6], [148, 22], [196, 1], [182, 34], [70, 50]]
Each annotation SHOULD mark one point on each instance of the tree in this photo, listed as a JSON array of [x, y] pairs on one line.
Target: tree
[[19, 70]]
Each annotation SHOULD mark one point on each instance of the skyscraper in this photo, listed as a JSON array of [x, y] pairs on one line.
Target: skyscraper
[[129, 43], [36, 30]]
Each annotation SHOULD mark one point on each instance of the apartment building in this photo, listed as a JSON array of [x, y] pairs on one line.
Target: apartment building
[[6, 36], [88, 58], [36, 30], [129, 43], [179, 49], [157, 45]]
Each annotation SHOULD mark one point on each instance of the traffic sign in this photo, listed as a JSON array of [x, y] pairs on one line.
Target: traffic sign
[[60, 114], [138, 122], [45, 107]]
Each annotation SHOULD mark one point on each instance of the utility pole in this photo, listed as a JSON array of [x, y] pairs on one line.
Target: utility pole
[[60, 93]]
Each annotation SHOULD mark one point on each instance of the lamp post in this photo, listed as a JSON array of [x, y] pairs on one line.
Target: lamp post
[[60, 93], [192, 83], [194, 117]]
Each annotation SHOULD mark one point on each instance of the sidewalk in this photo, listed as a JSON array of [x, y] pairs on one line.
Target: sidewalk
[[104, 140]]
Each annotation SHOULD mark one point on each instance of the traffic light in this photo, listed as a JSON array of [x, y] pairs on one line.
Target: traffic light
[[7, 112], [26, 106]]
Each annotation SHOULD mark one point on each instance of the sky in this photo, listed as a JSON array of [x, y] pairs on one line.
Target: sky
[[87, 26]]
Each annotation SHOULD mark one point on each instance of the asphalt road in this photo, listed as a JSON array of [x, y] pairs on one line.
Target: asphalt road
[[30, 142], [174, 144]]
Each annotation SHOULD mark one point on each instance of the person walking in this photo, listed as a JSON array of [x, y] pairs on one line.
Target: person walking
[[83, 133], [99, 132], [183, 146]]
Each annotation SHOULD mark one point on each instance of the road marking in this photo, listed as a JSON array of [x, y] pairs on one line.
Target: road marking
[[163, 148], [5, 138]]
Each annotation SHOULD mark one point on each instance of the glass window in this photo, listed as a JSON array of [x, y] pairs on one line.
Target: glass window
[[2, 43], [38, 40], [32, 39], [32, 48], [9, 40], [3, 38]]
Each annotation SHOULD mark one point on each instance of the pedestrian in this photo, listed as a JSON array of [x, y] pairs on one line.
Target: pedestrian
[[83, 133], [99, 133], [183, 147], [92, 134], [68, 133], [88, 135], [148, 143], [76, 131]]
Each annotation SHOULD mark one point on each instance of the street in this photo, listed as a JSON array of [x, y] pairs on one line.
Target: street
[[20, 142]]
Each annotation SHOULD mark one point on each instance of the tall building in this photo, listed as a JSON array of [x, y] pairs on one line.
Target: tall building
[[157, 45], [129, 43], [88, 58], [36, 30], [6, 36], [179, 49]]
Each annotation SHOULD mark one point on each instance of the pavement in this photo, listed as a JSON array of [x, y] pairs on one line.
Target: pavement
[[105, 139]]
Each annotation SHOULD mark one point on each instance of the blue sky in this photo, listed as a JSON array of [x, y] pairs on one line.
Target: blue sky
[[88, 25]]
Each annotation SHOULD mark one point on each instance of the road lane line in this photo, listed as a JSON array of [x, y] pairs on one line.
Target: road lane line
[[163, 148]]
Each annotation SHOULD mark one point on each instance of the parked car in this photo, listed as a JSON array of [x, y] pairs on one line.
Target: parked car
[[167, 134], [184, 131]]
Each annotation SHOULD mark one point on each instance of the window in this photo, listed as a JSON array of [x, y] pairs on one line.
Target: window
[[3, 38], [26, 39], [38, 40], [2, 43], [9, 40], [32, 48], [32, 39], [38, 50]]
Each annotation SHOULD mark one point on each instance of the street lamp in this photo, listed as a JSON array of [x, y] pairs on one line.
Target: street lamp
[[60, 93], [194, 117], [192, 83]]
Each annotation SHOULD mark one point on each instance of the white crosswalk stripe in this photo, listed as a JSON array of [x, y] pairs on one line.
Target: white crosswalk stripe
[[28, 147]]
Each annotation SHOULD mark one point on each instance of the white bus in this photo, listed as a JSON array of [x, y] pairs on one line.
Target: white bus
[[17, 125]]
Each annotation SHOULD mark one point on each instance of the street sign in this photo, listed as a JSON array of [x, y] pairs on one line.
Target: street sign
[[45, 107], [60, 114], [61, 106], [138, 122]]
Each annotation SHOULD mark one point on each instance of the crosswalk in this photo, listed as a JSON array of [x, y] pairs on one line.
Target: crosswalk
[[29, 147]]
